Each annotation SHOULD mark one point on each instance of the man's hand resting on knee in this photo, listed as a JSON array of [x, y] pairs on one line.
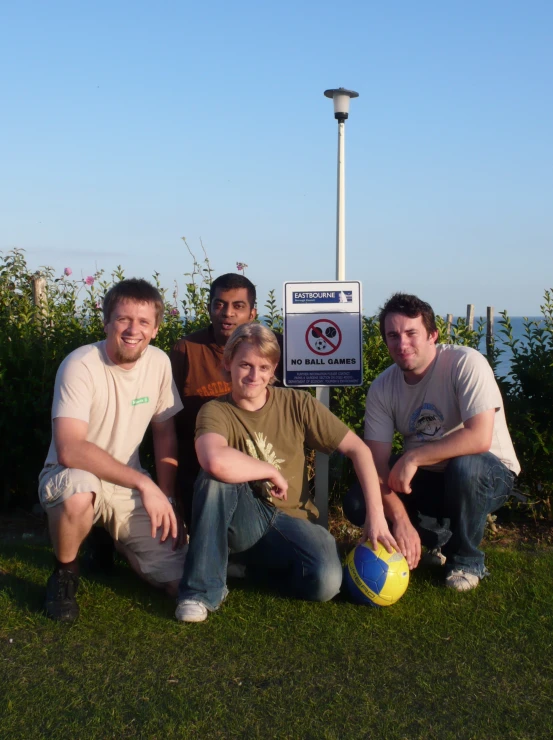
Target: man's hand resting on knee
[[159, 508]]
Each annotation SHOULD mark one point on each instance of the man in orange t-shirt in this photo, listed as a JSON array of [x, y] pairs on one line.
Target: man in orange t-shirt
[[197, 361]]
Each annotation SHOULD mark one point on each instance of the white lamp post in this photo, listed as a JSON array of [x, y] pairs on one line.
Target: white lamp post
[[341, 98]]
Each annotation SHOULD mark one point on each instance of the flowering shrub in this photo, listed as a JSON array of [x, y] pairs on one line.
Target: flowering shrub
[[43, 317]]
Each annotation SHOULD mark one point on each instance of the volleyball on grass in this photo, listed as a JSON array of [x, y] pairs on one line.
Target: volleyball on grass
[[375, 578]]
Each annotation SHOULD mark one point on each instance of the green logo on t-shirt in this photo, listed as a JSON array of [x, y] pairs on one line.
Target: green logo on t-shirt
[[137, 401]]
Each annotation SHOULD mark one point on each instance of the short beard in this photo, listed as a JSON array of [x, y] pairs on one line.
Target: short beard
[[124, 357]]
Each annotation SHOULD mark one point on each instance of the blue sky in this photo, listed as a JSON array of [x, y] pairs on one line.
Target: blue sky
[[127, 125]]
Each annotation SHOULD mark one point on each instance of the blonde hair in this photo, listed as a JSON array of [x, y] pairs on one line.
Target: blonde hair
[[261, 338]]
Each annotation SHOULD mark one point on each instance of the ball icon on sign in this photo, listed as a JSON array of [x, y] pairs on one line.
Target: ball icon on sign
[[330, 332]]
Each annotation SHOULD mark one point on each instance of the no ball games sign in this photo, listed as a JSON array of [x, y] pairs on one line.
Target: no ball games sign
[[322, 334]]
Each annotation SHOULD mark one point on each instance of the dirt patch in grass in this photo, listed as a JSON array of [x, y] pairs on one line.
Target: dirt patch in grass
[[523, 533]]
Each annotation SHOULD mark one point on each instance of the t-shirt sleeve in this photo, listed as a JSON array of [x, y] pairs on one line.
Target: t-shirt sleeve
[[475, 386], [212, 419], [379, 422], [73, 391], [169, 402], [324, 431]]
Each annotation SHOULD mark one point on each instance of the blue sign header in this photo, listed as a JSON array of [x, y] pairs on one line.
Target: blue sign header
[[322, 296]]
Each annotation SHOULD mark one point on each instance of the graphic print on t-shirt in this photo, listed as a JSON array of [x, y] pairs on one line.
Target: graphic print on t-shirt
[[263, 450], [427, 422]]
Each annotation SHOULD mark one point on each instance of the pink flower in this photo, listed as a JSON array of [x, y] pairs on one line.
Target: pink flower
[[89, 280], [67, 271], [174, 312], [98, 306], [241, 266]]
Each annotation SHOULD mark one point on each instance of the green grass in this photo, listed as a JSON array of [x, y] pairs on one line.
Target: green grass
[[435, 665]]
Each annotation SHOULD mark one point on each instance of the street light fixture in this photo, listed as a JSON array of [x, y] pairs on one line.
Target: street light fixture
[[341, 98]]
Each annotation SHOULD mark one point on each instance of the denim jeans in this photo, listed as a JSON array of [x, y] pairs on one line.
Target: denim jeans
[[449, 509], [300, 557]]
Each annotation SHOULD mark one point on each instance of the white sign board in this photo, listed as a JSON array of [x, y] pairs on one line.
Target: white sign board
[[323, 334]]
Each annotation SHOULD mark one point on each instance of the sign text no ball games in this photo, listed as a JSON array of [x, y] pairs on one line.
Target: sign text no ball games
[[323, 334]]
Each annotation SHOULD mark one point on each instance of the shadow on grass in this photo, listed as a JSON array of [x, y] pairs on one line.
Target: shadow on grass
[[24, 593], [36, 561]]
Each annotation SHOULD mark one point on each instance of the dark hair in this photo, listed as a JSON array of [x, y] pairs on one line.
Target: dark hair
[[411, 306], [134, 289], [233, 281]]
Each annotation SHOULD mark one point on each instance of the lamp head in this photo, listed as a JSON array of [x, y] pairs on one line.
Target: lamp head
[[341, 98]]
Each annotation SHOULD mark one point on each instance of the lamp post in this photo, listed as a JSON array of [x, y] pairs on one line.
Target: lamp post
[[341, 98]]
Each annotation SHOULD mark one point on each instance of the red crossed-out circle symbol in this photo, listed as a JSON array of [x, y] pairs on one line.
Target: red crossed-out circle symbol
[[323, 337]]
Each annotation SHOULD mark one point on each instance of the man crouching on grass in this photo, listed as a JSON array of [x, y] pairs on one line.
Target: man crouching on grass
[[251, 496], [105, 396]]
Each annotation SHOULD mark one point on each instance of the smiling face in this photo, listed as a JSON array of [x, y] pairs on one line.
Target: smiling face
[[229, 309], [410, 345], [131, 327], [250, 374]]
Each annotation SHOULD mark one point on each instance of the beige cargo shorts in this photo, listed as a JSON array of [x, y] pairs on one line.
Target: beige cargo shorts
[[120, 511]]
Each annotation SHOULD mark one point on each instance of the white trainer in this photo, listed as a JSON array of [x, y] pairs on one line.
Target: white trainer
[[460, 580], [433, 557], [189, 610]]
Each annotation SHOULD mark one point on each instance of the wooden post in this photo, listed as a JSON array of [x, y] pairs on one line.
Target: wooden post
[[489, 332], [39, 290], [39, 295], [448, 323], [470, 316]]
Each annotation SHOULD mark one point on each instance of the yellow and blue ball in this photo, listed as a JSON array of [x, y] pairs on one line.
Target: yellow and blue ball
[[375, 578]]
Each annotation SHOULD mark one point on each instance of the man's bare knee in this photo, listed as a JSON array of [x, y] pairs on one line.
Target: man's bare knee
[[75, 507]]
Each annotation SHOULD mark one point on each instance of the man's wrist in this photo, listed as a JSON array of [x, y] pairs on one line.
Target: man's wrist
[[410, 458], [142, 482]]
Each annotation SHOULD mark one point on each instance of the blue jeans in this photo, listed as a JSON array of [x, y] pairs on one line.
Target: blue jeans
[[449, 509], [300, 557]]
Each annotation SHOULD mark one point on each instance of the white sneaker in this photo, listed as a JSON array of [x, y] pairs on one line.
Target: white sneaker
[[433, 557], [189, 610], [460, 580]]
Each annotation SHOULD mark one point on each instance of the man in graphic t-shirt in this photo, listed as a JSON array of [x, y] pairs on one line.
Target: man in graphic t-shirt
[[197, 369], [105, 396], [252, 497], [458, 463]]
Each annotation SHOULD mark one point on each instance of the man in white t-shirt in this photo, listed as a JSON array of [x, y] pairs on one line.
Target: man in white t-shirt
[[105, 396], [458, 463]]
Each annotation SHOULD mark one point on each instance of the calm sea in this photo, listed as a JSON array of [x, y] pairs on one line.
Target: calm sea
[[517, 322]]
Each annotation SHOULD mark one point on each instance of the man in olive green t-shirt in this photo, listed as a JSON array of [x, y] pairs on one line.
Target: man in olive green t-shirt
[[252, 497], [197, 360]]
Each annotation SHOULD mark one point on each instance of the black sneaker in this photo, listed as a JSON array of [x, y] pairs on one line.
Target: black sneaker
[[98, 552], [61, 603]]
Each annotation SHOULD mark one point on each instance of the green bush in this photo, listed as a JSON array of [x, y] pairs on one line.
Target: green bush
[[35, 336], [528, 394]]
